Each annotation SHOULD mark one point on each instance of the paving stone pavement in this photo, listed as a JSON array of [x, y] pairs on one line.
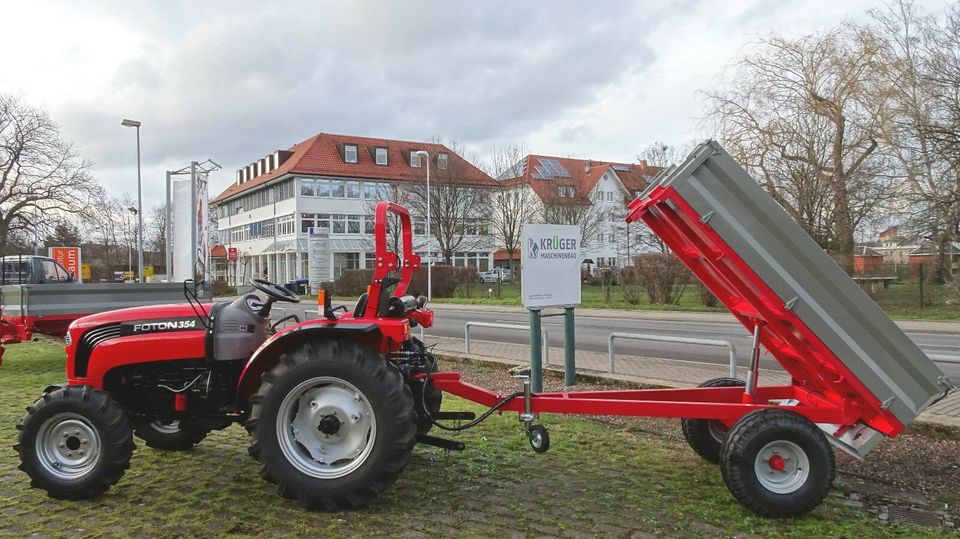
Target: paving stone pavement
[[654, 371]]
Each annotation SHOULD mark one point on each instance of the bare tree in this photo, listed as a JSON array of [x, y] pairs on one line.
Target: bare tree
[[806, 118], [42, 177], [155, 234], [588, 216], [457, 208], [511, 203]]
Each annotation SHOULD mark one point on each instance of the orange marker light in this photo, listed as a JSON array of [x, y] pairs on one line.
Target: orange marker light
[[321, 297]]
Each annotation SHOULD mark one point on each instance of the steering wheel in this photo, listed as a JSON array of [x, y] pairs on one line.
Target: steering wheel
[[275, 291]]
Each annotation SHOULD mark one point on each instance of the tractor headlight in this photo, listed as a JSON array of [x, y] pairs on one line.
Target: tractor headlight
[[68, 339]]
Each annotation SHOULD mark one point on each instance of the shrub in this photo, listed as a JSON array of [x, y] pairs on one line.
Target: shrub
[[221, 288], [631, 285], [352, 282], [446, 279], [662, 275], [707, 297]]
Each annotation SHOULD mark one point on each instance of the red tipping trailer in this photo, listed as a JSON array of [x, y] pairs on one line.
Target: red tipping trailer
[[856, 375]]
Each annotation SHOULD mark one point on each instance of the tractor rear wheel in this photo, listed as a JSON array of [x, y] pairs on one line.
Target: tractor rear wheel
[[75, 442], [333, 425], [777, 463], [169, 436], [706, 436]]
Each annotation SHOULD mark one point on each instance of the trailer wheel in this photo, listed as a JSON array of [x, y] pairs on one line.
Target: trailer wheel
[[429, 396], [706, 436], [333, 425], [169, 436], [777, 463], [75, 442], [539, 438]]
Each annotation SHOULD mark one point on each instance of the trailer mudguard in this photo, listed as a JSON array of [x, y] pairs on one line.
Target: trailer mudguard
[[367, 334]]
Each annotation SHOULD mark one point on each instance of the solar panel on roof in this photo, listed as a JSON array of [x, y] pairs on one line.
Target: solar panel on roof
[[554, 168], [623, 168]]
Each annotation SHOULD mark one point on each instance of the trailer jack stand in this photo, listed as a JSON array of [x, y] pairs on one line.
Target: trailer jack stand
[[537, 434]]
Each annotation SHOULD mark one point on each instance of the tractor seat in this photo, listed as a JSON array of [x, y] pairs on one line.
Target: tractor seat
[[361, 305]]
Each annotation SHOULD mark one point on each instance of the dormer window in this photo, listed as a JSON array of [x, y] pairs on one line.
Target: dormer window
[[415, 160], [381, 156], [350, 153], [442, 161]]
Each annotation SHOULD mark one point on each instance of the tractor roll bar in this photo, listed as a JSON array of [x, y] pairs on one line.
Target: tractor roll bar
[[386, 260]]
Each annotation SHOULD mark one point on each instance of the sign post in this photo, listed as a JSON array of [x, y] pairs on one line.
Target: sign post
[[550, 277], [318, 257]]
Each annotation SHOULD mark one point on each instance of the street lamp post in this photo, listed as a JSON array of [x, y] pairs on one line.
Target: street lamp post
[[134, 211], [135, 123]]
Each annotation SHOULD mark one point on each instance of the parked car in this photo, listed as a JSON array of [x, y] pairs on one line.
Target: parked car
[[495, 275], [33, 269]]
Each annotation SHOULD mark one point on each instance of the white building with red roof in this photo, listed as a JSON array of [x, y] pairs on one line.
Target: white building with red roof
[[330, 181], [594, 191]]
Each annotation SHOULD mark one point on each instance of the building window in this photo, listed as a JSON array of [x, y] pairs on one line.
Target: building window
[[307, 188], [350, 153], [353, 224], [323, 188], [610, 238], [442, 161], [381, 156], [609, 196], [345, 261], [286, 225], [566, 191], [414, 159], [338, 189], [353, 189], [368, 222], [339, 223], [376, 191]]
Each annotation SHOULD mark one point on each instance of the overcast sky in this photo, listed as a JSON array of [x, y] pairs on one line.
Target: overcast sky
[[234, 81]]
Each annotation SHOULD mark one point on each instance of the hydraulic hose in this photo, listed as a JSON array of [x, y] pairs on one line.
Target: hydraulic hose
[[426, 413]]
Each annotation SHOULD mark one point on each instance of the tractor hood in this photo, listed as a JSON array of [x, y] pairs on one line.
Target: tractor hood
[[149, 312]]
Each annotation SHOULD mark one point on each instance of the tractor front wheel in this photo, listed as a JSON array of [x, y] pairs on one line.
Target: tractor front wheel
[[333, 425], [75, 442], [777, 463]]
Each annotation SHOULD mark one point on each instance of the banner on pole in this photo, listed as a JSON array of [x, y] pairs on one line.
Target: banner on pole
[[318, 257], [69, 258]]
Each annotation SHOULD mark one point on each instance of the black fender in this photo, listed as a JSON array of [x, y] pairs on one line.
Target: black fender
[[264, 359]]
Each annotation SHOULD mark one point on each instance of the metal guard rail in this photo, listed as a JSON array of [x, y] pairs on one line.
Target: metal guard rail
[[611, 351]]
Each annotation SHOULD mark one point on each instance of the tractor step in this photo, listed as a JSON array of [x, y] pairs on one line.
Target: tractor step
[[454, 416], [442, 443]]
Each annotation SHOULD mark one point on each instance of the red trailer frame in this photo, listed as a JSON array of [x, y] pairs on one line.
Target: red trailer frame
[[823, 390]]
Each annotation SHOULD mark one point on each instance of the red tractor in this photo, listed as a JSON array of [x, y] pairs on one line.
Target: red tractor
[[333, 405]]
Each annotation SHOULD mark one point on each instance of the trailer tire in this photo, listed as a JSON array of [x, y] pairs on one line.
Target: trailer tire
[[336, 401], [425, 395], [777, 463], [172, 436], [75, 442], [706, 436]]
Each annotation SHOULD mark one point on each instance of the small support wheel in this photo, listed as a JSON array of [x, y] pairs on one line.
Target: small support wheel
[[777, 463], [539, 438]]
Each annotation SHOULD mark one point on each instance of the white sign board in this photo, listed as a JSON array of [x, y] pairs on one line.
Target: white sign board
[[318, 257], [550, 265]]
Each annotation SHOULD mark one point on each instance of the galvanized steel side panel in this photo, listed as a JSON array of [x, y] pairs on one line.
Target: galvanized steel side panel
[[831, 304], [61, 299]]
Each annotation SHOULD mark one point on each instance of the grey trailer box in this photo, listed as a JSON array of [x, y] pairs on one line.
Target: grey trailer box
[[807, 280], [63, 299]]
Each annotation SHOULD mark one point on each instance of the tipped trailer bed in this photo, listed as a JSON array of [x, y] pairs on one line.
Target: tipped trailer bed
[[856, 377]]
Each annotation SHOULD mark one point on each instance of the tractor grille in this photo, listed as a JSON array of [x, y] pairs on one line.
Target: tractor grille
[[88, 342]]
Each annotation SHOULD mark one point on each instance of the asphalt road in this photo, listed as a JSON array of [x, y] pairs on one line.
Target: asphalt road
[[593, 332]]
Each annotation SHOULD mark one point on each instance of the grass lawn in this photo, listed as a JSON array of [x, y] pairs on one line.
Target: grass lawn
[[597, 480]]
